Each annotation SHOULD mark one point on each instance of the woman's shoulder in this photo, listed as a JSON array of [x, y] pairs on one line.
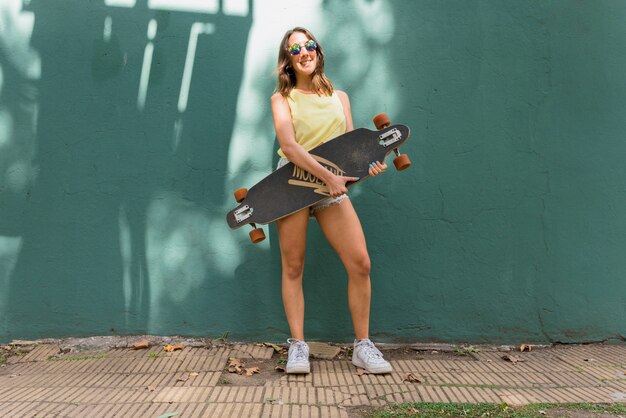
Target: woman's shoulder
[[276, 96], [343, 96], [278, 99]]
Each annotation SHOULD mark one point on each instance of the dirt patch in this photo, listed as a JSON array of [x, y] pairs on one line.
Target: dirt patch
[[361, 411], [267, 372], [408, 353]]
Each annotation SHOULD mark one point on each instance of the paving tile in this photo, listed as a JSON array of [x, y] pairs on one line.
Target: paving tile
[[435, 394], [252, 351], [323, 351], [249, 394], [183, 394], [286, 395], [330, 396], [294, 379], [513, 397], [276, 411], [599, 355], [399, 397], [39, 353]]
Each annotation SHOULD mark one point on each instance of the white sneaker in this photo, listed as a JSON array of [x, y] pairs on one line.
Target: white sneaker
[[368, 357], [298, 360]]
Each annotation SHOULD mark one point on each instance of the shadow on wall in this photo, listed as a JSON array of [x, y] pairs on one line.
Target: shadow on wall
[[20, 68], [132, 130]]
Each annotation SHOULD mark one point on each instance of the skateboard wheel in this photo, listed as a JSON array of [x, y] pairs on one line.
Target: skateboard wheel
[[257, 235], [240, 194], [381, 121], [402, 162]]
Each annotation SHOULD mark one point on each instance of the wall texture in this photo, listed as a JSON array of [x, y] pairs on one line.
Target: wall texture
[[126, 124]]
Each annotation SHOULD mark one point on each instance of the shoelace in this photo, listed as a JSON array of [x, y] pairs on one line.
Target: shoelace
[[299, 351], [370, 349]]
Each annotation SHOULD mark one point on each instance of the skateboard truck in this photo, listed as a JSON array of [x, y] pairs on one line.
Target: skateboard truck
[[390, 137], [256, 235], [243, 213]]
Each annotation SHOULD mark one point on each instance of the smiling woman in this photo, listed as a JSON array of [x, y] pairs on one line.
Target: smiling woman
[[308, 111]]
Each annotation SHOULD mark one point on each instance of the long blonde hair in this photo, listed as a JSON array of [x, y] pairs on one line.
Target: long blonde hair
[[286, 75]]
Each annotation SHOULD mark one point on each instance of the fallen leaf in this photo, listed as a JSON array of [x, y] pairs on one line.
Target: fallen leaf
[[281, 367], [141, 344], [7, 347], [512, 358], [193, 374], [542, 412], [252, 370], [183, 378], [235, 365], [276, 348], [588, 359], [151, 388], [169, 414], [361, 372], [234, 361], [525, 347], [169, 348], [410, 377]]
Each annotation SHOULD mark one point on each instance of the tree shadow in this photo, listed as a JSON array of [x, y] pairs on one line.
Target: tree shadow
[[106, 154]]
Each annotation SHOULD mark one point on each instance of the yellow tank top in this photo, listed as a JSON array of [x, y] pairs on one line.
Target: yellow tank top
[[316, 119]]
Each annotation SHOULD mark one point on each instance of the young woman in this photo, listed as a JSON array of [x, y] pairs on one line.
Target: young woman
[[307, 112]]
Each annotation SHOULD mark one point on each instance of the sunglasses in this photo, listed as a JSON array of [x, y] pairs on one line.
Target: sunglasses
[[310, 46]]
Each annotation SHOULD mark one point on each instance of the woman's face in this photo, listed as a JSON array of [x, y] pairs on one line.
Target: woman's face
[[305, 62]]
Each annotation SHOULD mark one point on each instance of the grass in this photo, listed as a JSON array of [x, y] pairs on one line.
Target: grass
[[3, 359], [491, 410], [464, 351], [224, 381]]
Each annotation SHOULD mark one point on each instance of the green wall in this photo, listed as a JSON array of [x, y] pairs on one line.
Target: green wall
[[121, 142]]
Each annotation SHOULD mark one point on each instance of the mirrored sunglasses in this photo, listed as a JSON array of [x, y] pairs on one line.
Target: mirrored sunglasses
[[310, 46]]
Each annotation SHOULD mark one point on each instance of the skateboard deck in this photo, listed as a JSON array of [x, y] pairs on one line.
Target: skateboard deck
[[290, 188]]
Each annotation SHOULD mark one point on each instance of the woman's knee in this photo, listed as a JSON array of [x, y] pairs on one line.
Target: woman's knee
[[359, 265], [293, 268]]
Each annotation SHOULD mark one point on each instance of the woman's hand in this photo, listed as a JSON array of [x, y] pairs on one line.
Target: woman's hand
[[337, 185], [376, 168]]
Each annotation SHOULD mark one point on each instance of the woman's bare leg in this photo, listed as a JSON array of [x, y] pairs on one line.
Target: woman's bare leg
[[292, 236], [342, 228]]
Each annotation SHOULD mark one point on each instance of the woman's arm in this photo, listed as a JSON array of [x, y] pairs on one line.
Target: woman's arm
[[345, 102], [297, 154]]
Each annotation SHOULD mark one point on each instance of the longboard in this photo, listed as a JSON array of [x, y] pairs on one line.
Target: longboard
[[290, 188]]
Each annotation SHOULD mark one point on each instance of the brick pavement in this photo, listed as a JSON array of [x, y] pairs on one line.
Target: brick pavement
[[194, 382]]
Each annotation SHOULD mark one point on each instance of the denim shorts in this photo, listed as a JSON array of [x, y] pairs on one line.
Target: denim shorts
[[322, 204]]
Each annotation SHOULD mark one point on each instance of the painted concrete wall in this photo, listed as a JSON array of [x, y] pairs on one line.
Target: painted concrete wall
[[126, 124]]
